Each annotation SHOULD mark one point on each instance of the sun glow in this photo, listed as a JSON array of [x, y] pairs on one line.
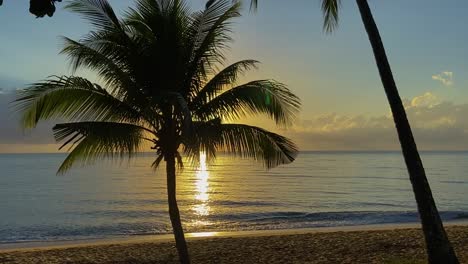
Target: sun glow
[[202, 186]]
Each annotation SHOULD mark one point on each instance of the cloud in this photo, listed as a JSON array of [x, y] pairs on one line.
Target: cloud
[[426, 100], [446, 78], [437, 125]]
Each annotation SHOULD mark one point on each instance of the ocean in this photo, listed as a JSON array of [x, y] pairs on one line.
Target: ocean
[[320, 189]]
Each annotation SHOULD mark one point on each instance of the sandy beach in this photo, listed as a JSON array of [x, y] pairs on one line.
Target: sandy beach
[[385, 244]]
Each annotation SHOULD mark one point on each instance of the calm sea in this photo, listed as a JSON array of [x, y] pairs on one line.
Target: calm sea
[[318, 189]]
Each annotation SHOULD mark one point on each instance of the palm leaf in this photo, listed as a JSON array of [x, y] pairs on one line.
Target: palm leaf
[[228, 76], [184, 110], [98, 12], [160, 157], [253, 4], [155, 15], [210, 29], [330, 10], [94, 140], [241, 140], [209, 35], [256, 97], [71, 98], [111, 70]]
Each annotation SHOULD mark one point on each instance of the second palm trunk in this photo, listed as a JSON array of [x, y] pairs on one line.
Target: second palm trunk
[[439, 249]]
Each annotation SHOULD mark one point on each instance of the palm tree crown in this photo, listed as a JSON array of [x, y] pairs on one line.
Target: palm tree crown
[[160, 84]]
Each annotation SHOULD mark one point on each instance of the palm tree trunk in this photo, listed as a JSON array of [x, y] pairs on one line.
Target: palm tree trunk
[[174, 214], [438, 246]]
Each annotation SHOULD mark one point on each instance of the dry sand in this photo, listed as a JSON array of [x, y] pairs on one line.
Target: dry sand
[[387, 245]]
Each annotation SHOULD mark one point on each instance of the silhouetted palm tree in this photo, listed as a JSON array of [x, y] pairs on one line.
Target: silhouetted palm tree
[[439, 248], [160, 84]]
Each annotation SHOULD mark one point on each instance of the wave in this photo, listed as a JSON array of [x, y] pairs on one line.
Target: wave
[[463, 215], [78, 232], [332, 218], [219, 222]]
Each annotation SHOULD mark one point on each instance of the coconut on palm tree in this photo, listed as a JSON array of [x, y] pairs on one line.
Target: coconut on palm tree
[[160, 87], [438, 245]]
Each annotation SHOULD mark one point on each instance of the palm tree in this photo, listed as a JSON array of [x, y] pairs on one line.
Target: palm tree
[[438, 246], [158, 66]]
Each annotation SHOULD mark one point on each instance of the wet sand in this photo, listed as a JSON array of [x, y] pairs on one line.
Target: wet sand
[[372, 244]]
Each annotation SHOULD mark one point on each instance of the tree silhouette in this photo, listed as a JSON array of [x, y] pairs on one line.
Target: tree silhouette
[[161, 85]]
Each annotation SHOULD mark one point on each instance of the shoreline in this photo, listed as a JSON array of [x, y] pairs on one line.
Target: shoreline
[[389, 244], [165, 238]]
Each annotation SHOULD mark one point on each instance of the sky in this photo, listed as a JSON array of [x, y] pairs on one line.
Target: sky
[[344, 105]]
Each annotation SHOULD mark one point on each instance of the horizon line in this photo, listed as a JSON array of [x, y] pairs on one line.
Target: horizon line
[[301, 151]]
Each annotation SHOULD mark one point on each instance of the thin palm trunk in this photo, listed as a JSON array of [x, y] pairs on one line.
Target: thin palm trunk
[[174, 214], [438, 246]]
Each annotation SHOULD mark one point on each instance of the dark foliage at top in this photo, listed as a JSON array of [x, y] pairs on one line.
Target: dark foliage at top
[[40, 8]]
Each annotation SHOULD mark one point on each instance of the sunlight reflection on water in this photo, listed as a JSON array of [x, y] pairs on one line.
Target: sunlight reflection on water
[[203, 234], [202, 185]]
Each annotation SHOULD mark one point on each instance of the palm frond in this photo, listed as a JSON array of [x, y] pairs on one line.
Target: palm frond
[[113, 73], [253, 5], [256, 97], [330, 10], [241, 140], [95, 140], [160, 157], [180, 162], [209, 35], [210, 29], [98, 12], [157, 161], [155, 15], [124, 68], [148, 9], [182, 104], [205, 138], [138, 23], [226, 77], [71, 98], [112, 51]]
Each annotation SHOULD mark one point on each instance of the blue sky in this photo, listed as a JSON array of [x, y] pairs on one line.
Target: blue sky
[[334, 75]]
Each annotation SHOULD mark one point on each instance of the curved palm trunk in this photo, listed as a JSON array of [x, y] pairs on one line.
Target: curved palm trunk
[[174, 214], [438, 246]]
